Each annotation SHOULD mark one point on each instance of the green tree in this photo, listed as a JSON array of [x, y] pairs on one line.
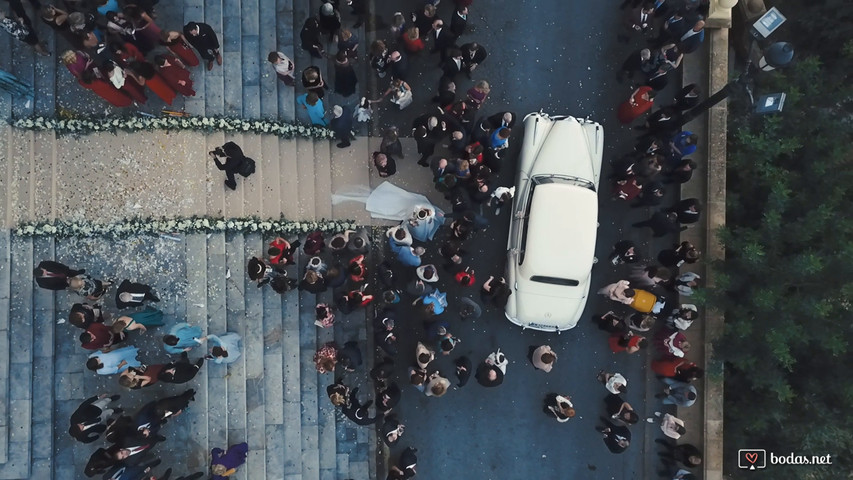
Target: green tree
[[786, 285]]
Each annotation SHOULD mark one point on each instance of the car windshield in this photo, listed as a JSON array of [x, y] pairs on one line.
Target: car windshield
[[564, 179]]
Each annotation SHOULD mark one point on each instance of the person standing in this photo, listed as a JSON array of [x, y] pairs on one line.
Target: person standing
[[342, 125], [492, 370], [90, 418], [54, 275], [559, 406], [183, 337], [202, 37], [542, 358], [233, 162], [311, 37], [313, 104], [224, 348], [616, 437], [284, 67], [638, 103], [345, 77], [224, 463], [677, 393], [22, 30]]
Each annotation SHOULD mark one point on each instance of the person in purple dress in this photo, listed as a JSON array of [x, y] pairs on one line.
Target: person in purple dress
[[225, 463]]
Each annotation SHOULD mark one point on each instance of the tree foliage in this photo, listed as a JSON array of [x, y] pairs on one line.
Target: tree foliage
[[786, 285]]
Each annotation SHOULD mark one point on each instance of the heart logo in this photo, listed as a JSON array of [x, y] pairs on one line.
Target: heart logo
[[751, 457]]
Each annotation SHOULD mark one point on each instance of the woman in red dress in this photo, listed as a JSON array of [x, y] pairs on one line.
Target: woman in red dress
[[126, 53], [637, 104], [104, 89], [77, 62], [176, 42], [147, 75], [175, 75], [412, 40]]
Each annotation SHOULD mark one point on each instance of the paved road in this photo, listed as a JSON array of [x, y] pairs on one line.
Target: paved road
[[559, 56]]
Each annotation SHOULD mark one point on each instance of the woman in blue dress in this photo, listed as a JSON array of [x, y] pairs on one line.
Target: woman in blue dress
[[150, 317], [314, 105], [113, 362], [425, 221], [183, 337], [224, 348]]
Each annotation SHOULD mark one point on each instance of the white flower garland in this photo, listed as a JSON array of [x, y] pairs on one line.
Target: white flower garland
[[166, 226], [84, 126]]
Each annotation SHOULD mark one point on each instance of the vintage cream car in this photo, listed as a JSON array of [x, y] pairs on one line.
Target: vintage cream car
[[551, 245]]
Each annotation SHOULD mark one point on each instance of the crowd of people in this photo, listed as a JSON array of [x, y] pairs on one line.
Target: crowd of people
[[132, 438], [117, 50]]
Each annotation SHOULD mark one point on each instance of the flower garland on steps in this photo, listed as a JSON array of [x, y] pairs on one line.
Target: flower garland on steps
[[168, 227], [84, 126]]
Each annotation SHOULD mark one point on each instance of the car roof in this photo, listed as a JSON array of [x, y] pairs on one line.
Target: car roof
[[561, 232]]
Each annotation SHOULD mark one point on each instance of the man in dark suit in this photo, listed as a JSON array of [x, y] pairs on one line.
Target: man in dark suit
[[89, 420], [688, 210], [233, 161], [636, 20], [54, 275], [130, 294], [459, 21], [358, 413], [342, 125], [661, 223], [181, 371], [691, 40], [672, 30], [398, 65], [443, 39], [203, 38], [473, 55], [453, 65], [441, 166]]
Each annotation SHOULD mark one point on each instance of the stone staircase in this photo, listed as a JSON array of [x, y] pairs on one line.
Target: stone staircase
[[272, 397]]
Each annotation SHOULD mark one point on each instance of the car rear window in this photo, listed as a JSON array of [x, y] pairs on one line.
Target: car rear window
[[555, 280]]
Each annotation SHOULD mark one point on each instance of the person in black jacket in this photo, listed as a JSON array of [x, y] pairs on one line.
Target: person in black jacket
[[357, 412], [181, 371], [459, 21], [473, 55], [311, 37], [130, 294], [54, 275], [342, 125], [616, 437], [89, 420], [661, 223], [233, 162], [203, 38]]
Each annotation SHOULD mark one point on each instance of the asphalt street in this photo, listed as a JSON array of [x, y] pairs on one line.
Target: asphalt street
[[560, 57]]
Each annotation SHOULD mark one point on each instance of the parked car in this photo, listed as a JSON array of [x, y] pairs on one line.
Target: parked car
[[551, 245]]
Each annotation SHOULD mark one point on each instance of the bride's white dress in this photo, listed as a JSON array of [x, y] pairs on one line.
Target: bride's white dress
[[391, 202]]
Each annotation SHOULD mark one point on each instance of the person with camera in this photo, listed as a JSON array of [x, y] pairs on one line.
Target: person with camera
[[235, 162]]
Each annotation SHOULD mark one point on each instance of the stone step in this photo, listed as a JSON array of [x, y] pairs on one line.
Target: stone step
[[270, 177], [44, 175], [215, 178], [217, 388], [19, 422], [21, 159], [231, 56], [304, 170], [253, 357], [236, 321], [252, 187], [5, 172], [267, 80], [43, 368], [292, 382], [197, 307], [5, 294], [322, 179], [45, 71], [288, 178], [193, 11], [350, 168], [251, 57], [286, 33], [214, 87], [23, 68], [310, 385]]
